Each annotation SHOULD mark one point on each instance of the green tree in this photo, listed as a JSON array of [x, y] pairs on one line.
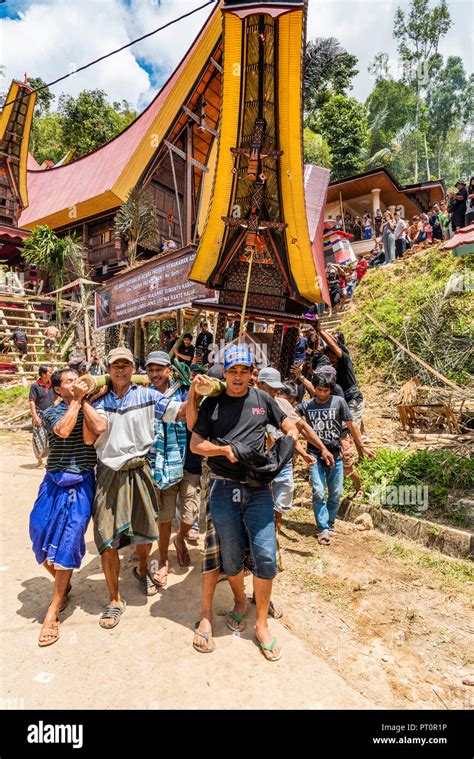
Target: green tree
[[47, 251], [419, 31], [316, 149], [46, 141], [44, 98], [391, 105], [448, 100], [328, 70], [343, 123], [89, 120]]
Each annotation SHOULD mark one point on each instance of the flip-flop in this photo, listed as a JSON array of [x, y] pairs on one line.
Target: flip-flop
[[184, 558], [112, 612], [46, 630], [240, 621], [266, 650], [146, 583], [207, 636]]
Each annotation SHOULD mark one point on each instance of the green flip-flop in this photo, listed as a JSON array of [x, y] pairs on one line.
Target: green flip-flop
[[264, 648], [240, 621]]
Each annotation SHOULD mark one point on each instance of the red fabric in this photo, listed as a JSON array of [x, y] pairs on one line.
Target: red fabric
[[361, 268]]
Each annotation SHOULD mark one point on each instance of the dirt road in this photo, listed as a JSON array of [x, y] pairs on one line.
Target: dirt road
[[370, 622]]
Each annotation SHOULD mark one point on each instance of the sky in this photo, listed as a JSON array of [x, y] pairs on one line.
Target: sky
[[49, 38]]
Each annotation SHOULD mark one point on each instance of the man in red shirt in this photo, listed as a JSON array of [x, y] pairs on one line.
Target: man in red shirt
[[361, 267]]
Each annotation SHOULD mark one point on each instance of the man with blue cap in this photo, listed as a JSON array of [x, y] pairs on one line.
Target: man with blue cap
[[240, 415]]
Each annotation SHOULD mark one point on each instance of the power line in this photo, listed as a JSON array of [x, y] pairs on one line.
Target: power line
[[113, 52]]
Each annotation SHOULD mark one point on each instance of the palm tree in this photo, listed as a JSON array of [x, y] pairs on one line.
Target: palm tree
[[137, 221], [47, 251]]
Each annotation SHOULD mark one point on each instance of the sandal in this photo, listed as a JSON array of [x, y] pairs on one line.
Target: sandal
[[323, 538], [267, 651], [52, 631], [184, 558], [231, 615], [207, 637], [147, 585], [112, 612]]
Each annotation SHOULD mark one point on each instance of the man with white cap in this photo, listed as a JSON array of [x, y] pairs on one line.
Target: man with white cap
[[282, 486], [125, 504]]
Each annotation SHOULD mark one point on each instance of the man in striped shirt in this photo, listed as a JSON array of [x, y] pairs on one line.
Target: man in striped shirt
[[61, 513], [125, 505]]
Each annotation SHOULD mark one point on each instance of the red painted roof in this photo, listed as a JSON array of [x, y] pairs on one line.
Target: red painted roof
[[463, 236], [94, 174]]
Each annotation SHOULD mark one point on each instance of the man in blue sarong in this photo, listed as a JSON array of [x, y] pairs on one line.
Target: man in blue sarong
[[61, 513]]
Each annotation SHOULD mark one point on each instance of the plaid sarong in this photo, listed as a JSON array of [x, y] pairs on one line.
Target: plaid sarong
[[125, 505], [40, 437]]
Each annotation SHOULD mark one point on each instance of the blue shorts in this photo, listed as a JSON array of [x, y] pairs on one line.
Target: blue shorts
[[237, 509]]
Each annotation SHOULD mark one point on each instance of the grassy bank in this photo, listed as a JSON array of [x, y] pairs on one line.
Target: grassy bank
[[410, 300]]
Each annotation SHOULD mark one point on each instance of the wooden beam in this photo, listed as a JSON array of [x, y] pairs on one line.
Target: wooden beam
[[189, 182], [217, 65], [182, 154], [198, 121], [177, 197]]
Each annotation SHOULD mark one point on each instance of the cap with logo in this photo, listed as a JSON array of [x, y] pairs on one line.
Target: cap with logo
[[119, 354], [158, 357], [271, 377], [237, 354]]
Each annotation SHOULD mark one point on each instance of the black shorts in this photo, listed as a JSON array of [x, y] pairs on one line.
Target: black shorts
[[22, 348]]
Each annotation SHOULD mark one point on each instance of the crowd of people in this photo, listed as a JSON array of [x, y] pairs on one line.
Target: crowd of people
[[133, 457], [393, 235]]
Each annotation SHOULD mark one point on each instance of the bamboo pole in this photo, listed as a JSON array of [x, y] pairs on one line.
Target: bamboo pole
[[416, 358], [244, 307]]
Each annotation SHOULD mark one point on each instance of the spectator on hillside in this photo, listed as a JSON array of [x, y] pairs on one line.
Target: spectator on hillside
[[443, 217], [361, 267], [357, 229], [367, 227], [435, 223], [51, 335], [470, 203], [40, 398], [457, 206], [378, 222], [413, 231], [400, 235], [388, 237], [377, 257]]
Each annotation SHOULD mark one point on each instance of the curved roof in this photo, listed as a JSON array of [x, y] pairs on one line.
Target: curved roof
[[102, 179]]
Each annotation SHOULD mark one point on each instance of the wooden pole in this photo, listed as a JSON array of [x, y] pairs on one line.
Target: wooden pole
[[87, 334], [342, 211], [189, 183], [417, 358], [247, 288]]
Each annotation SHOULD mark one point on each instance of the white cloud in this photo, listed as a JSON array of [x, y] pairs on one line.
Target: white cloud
[[51, 36]]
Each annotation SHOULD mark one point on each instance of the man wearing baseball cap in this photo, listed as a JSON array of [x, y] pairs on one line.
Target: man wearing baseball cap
[[125, 505], [240, 414], [176, 471]]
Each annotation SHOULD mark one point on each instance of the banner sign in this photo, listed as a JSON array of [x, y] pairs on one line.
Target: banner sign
[[152, 288]]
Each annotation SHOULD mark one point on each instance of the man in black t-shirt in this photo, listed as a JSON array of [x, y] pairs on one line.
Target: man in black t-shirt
[[40, 398], [458, 207], [241, 414], [185, 352]]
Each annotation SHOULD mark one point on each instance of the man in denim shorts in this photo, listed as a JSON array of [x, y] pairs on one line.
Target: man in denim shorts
[[241, 414]]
